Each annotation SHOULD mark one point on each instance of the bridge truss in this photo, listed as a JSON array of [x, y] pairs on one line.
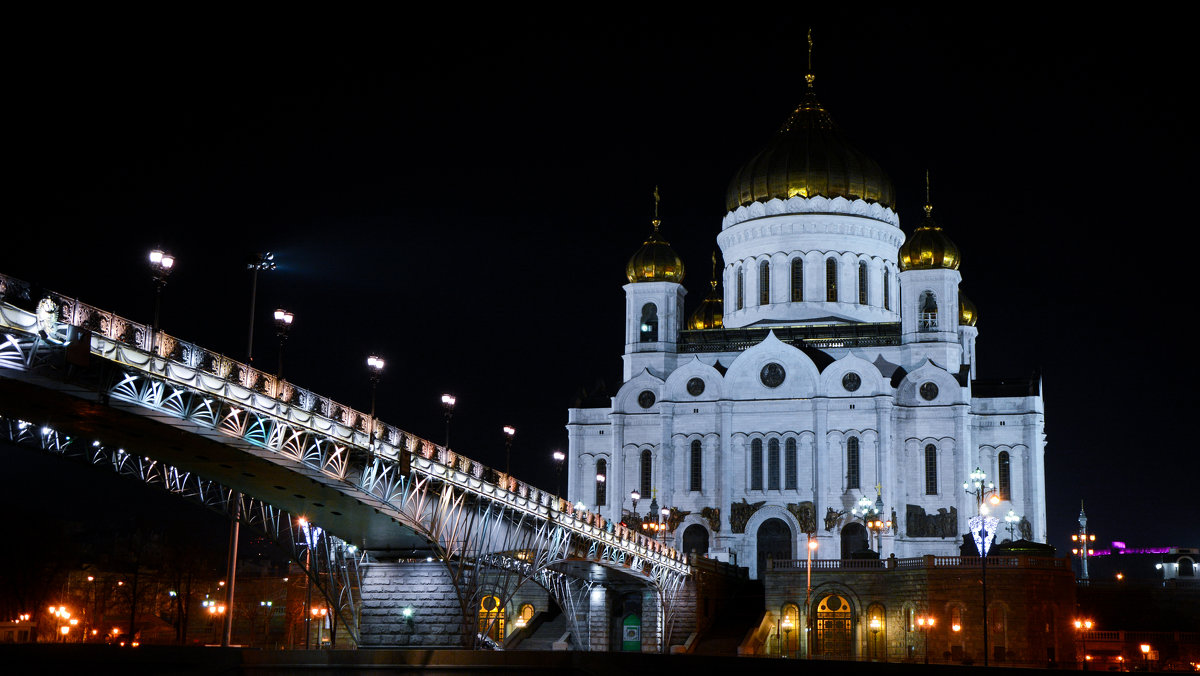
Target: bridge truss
[[490, 530]]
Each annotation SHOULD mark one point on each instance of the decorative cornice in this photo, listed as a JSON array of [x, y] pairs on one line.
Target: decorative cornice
[[811, 205]]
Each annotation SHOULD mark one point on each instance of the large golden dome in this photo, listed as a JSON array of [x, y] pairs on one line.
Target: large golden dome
[[809, 157], [656, 261], [929, 247]]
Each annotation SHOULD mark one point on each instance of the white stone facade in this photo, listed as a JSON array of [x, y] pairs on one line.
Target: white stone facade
[[866, 377]]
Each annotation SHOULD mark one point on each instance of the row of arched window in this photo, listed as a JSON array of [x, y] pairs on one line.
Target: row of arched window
[[788, 478], [796, 286], [645, 476]]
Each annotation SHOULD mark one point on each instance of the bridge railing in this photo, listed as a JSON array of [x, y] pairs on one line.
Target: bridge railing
[[168, 356], [921, 562]]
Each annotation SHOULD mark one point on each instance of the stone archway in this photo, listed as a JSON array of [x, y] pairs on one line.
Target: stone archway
[[774, 540], [854, 539], [695, 539]]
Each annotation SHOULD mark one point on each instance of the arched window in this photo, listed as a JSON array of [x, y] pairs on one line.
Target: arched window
[[789, 464], [756, 465], [931, 470], [887, 288], [862, 283], [797, 280], [852, 463], [831, 280], [649, 326], [927, 312], [601, 474], [1003, 476], [764, 283], [773, 465], [741, 289], [695, 476], [791, 639], [877, 624], [647, 467]]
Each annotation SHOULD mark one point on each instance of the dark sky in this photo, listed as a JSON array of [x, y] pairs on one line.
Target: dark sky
[[462, 196]]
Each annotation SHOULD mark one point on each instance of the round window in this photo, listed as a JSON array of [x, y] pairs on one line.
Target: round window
[[772, 375], [646, 399], [929, 391], [695, 387], [851, 382]]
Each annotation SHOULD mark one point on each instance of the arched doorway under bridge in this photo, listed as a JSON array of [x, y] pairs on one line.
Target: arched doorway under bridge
[[834, 631]]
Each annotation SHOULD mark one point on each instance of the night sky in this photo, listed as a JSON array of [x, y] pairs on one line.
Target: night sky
[[461, 198]]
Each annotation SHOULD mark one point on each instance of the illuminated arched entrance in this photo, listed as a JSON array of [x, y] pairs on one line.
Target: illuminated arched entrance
[[491, 618], [833, 628]]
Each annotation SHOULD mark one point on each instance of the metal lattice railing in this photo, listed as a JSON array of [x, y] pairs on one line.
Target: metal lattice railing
[[479, 521]]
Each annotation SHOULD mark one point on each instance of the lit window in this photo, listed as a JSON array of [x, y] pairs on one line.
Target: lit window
[[764, 283], [756, 465], [852, 463], [797, 280], [831, 273]]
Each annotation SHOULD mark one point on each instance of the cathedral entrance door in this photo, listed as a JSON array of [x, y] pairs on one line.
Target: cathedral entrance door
[[833, 627], [695, 539], [774, 540]]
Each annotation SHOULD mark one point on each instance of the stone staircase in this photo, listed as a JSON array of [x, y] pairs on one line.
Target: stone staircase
[[544, 635]]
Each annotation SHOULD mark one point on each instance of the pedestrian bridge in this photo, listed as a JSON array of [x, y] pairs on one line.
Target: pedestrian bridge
[[336, 487]]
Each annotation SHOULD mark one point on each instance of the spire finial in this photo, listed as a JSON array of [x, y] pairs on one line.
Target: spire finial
[[809, 77], [928, 201], [713, 281], [656, 201]]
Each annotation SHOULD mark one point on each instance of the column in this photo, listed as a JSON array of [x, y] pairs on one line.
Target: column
[[615, 481], [724, 460], [665, 477], [597, 619]]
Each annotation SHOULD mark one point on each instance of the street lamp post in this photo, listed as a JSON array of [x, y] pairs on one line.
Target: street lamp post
[[559, 459], [259, 262], [162, 264], [375, 367], [600, 479], [1012, 519], [812, 547], [876, 625], [983, 529], [448, 401], [634, 496], [926, 623], [283, 322], [1082, 626], [508, 437], [787, 632]]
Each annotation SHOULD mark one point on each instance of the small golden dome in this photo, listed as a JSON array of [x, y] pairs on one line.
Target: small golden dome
[[809, 157], [711, 313], [967, 314], [656, 261], [929, 247]]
